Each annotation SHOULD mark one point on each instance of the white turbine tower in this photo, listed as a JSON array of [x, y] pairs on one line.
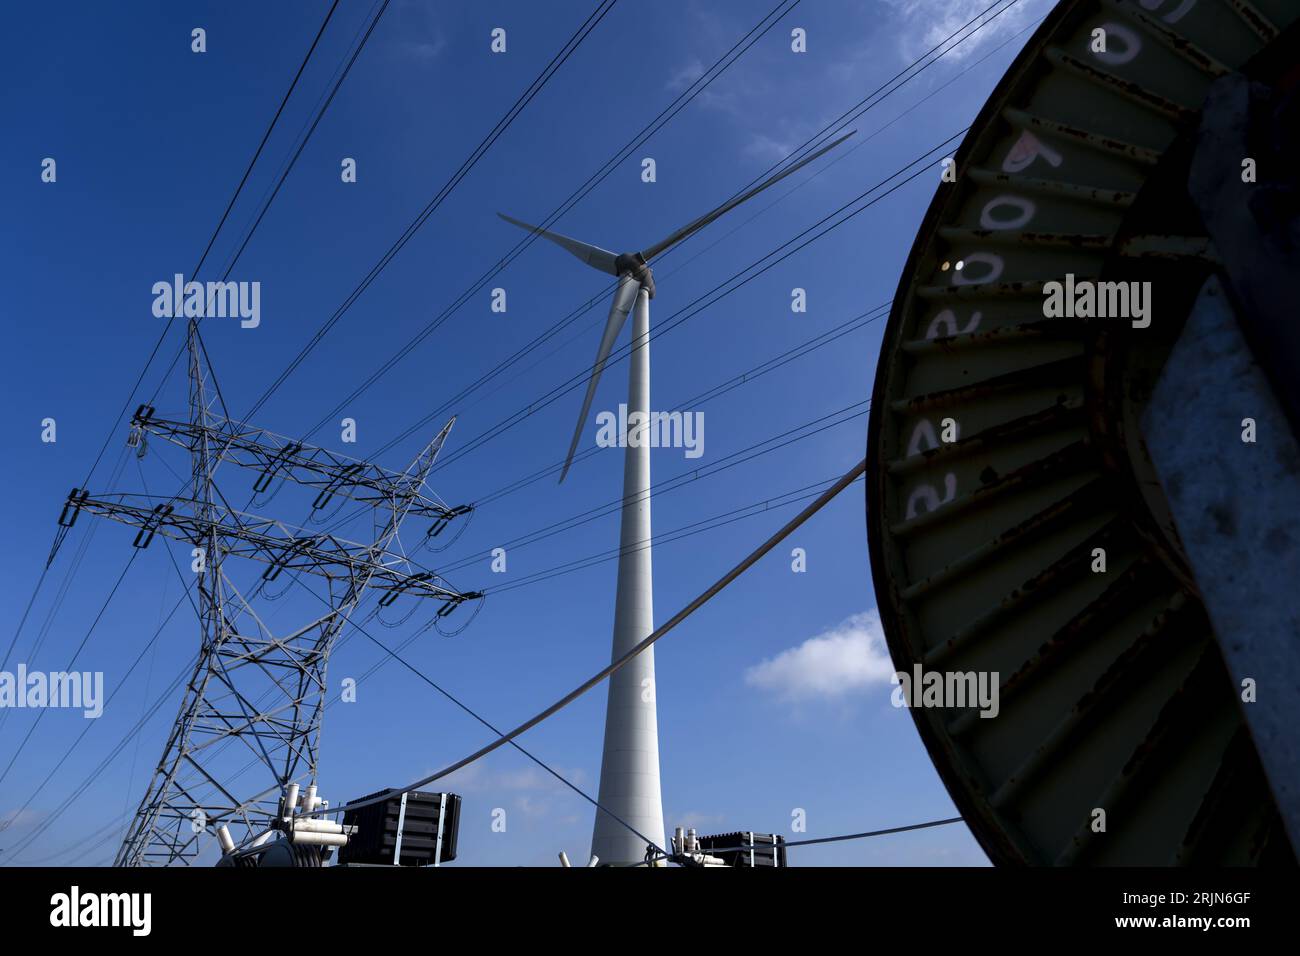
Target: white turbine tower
[[629, 769]]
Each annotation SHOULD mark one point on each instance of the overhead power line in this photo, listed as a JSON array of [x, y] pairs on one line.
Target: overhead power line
[[91, 723], [526, 97], [283, 176], [588, 304], [205, 253], [668, 537], [230, 205], [748, 561], [685, 97], [807, 347], [833, 839], [699, 304], [592, 21], [163, 335], [77, 653], [812, 143], [798, 433], [467, 709]]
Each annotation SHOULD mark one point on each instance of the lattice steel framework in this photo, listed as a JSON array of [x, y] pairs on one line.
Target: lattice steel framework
[[263, 690]]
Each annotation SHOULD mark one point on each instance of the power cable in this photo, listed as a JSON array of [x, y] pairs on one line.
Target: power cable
[[570, 46], [675, 482], [812, 142], [465, 707], [835, 839], [243, 180], [163, 335], [860, 321], [748, 561], [280, 181], [694, 307], [685, 97], [77, 653], [677, 534]]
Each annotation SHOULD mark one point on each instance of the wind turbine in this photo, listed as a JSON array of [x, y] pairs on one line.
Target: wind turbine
[[629, 769]]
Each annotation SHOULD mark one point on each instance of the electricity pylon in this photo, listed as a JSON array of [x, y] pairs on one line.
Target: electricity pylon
[[265, 691]]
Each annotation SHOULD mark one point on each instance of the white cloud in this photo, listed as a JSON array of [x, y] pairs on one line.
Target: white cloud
[[529, 790], [685, 75], [846, 658], [426, 50], [694, 818], [480, 778], [18, 818], [422, 36], [926, 23], [769, 148]]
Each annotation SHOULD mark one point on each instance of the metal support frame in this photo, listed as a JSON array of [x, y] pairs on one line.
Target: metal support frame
[[442, 822], [249, 686], [401, 824]]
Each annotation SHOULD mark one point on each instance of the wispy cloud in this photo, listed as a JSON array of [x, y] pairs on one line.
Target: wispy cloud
[[529, 790], [18, 818], [423, 50], [846, 658], [422, 37], [684, 75], [770, 148], [480, 778], [924, 23], [696, 819]]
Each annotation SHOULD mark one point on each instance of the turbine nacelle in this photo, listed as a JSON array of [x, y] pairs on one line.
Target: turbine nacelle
[[634, 274], [634, 264]]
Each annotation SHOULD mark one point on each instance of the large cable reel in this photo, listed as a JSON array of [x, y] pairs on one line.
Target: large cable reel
[[1113, 691]]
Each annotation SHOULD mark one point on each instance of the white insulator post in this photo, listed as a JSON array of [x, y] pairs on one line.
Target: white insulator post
[[311, 838], [290, 799], [629, 769], [225, 839], [564, 859]]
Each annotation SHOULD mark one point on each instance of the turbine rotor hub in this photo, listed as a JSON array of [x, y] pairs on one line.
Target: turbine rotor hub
[[634, 263]]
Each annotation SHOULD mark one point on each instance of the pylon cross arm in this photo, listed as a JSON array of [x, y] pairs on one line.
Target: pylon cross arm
[[278, 457], [274, 543]]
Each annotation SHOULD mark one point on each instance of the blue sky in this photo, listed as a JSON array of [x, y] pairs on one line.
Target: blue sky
[[771, 698]]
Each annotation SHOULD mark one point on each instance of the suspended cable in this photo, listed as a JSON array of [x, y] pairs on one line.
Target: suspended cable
[[794, 523], [698, 305], [814, 141], [80, 647], [737, 381], [163, 335], [570, 46], [713, 851], [677, 534], [466, 708], [230, 205], [685, 97], [843, 415]]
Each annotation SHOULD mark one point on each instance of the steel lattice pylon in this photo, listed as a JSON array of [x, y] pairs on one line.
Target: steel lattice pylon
[[248, 684]]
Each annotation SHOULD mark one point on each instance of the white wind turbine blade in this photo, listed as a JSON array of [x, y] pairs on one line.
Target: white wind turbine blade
[[695, 226], [624, 297], [593, 256]]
